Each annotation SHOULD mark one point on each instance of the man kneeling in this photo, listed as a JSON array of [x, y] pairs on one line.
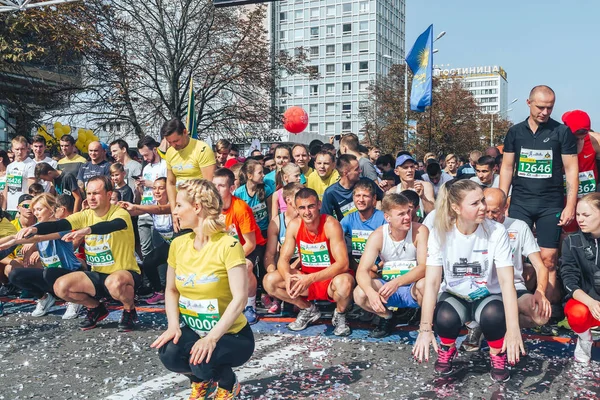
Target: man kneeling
[[401, 245], [324, 272]]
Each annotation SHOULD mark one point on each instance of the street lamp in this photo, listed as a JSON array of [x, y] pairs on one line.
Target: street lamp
[[439, 36], [492, 120]]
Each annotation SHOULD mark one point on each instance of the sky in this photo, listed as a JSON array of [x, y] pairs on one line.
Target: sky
[[551, 42]]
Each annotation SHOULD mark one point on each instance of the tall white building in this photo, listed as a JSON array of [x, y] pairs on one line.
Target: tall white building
[[349, 43], [488, 84]]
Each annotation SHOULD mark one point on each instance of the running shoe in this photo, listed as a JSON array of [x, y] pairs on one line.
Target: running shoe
[[443, 365], [43, 305], [499, 371], [93, 316], [266, 300], [275, 307], [126, 324], [583, 350], [340, 324], [384, 328], [224, 394], [305, 317], [157, 298], [73, 310], [473, 340], [202, 390], [251, 315]]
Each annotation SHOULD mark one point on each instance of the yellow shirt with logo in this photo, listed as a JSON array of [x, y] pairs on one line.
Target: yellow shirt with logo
[[111, 252], [18, 252], [315, 182], [202, 280], [188, 163], [7, 228]]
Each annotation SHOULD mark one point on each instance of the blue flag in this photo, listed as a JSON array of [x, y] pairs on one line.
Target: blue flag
[[420, 61]]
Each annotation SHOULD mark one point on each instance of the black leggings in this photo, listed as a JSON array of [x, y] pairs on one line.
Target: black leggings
[[151, 264], [452, 312], [38, 281], [233, 350]]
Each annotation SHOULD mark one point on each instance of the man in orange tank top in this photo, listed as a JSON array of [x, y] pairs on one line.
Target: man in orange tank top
[[323, 273]]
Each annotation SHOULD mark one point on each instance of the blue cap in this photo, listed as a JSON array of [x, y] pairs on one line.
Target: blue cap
[[404, 158]]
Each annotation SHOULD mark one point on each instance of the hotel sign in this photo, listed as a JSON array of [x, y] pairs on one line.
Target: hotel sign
[[470, 71]]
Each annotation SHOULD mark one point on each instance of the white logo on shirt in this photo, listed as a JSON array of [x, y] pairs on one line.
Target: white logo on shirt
[[547, 139]]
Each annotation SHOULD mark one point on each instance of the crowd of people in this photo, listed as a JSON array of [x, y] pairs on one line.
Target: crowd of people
[[492, 244]]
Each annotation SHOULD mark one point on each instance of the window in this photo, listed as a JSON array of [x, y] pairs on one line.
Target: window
[[363, 66], [346, 126], [314, 109], [346, 47], [363, 47], [283, 16], [314, 90], [283, 92], [330, 49], [330, 30], [313, 69], [329, 108], [363, 86], [363, 6], [363, 26], [330, 127], [330, 88], [346, 67], [346, 87], [330, 69], [299, 34], [283, 36], [346, 108], [314, 13], [314, 51], [330, 11], [314, 32], [298, 15], [347, 8], [347, 29], [313, 128], [298, 91], [363, 105]]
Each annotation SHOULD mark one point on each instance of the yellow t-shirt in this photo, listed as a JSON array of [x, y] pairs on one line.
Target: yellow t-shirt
[[188, 163], [112, 252], [202, 280], [7, 228], [18, 252], [315, 182]]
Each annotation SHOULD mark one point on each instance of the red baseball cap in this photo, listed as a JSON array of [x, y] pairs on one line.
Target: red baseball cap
[[231, 162], [577, 120]]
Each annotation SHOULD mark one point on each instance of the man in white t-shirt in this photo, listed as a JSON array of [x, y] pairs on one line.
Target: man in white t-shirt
[[19, 175], [119, 149], [38, 146]]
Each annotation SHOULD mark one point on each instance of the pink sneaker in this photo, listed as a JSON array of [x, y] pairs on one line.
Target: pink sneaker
[[275, 307], [266, 300], [157, 298]]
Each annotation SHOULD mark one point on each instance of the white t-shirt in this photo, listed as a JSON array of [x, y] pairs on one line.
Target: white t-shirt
[[152, 172], [428, 221], [17, 175], [470, 261], [53, 164], [522, 243]]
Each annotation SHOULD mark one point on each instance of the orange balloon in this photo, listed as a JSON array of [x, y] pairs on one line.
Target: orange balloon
[[295, 119]]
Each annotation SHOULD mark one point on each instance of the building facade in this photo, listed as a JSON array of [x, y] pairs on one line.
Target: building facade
[[488, 84], [348, 43]]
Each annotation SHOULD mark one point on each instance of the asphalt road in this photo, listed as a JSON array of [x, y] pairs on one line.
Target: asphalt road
[[48, 358]]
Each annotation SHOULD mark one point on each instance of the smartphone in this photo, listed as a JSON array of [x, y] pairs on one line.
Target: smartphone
[[136, 177], [338, 137]]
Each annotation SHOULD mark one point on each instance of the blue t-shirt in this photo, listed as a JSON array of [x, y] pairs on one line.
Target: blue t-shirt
[[58, 254], [356, 231], [337, 200], [259, 208], [273, 174]]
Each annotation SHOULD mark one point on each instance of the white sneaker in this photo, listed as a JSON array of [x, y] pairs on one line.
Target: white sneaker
[[583, 349], [43, 305], [73, 311]]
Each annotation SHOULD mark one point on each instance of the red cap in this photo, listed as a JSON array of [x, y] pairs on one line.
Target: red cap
[[231, 162], [577, 120]]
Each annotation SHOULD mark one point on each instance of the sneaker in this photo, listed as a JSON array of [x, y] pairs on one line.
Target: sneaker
[[340, 324], [266, 300], [9, 290], [126, 324], [93, 316], [383, 328], [73, 310], [473, 340], [583, 350], [499, 371], [4, 290], [157, 298], [202, 390], [443, 365], [251, 315], [305, 317], [224, 394], [43, 305], [275, 307]]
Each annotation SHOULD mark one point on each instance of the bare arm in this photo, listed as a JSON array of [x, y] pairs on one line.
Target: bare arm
[[428, 197], [419, 271], [541, 271], [506, 172], [78, 200], [287, 249], [171, 189], [250, 243], [572, 175], [272, 241], [274, 208], [595, 139], [208, 172]]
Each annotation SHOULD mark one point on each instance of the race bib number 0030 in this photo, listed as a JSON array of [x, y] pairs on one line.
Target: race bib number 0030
[[200, 315], [315, 254], [536, 164]]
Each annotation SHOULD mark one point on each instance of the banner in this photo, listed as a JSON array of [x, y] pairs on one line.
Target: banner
[[420, 62]]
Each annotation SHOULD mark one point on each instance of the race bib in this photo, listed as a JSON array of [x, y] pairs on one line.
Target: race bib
[[51, 261], [98, 252], [260, 212], [536, 164], [232, 231], [315, 255], [2, 182], [14, 180], [393, 269], [348, 208], [147, 197], [200, 315], [587, 183], [359, 241]]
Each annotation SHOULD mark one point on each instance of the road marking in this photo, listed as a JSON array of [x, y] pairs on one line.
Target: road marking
[[172, 379]]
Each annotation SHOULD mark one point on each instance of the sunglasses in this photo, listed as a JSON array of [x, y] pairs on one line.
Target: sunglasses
[[25, 205]]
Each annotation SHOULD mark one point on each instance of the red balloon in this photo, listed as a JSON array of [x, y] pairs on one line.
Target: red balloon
[[295, 119]]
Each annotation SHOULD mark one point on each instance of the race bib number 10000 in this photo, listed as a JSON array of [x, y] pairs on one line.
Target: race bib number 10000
[[536, 164], [200, 315]]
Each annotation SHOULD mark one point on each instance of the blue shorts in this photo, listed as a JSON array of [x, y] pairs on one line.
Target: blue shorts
[[402, 298]]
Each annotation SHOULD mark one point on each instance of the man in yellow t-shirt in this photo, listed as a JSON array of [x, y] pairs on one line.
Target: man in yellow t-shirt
[[326, 174], [186, 158], [109, 251]]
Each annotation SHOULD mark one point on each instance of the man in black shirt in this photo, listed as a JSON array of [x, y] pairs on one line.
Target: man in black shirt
[[540, 148], [62, 183]]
